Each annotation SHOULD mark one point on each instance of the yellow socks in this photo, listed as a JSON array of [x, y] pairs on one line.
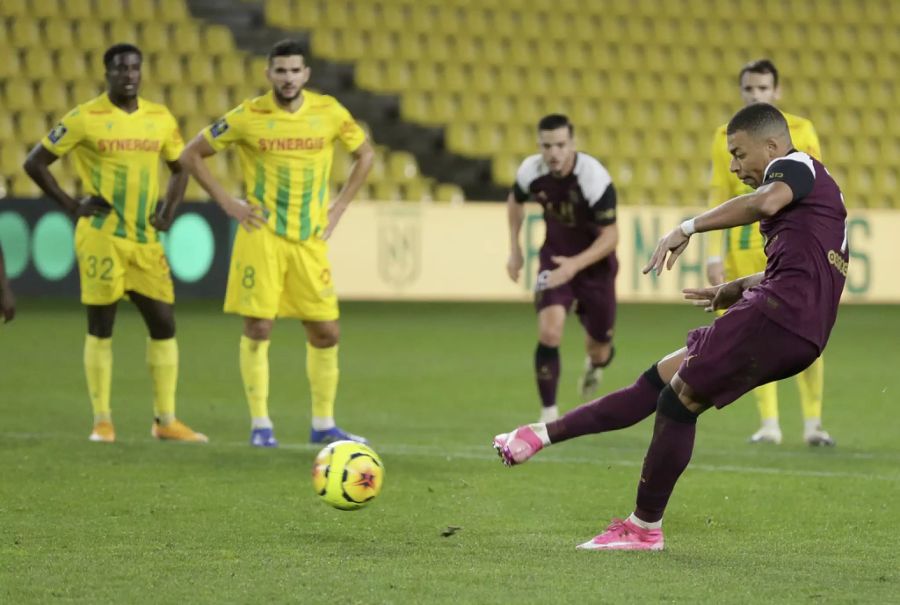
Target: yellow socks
[[322, 371], [255, 374], [810, 382], [767, 403], [162, 359], [98, 371]]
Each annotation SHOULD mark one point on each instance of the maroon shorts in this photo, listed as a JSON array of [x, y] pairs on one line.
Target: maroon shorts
[[593, 299], [740, 351]]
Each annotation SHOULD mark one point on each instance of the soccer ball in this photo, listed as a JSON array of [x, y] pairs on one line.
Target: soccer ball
[[347, 474]]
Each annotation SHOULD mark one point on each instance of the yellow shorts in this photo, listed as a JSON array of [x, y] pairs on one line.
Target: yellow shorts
[[740, 263], [271, 276], [111, 266]]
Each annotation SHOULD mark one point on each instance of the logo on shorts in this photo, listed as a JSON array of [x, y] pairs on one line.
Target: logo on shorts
[[58, 132], [218, 128], [399, 255], [325, 276]]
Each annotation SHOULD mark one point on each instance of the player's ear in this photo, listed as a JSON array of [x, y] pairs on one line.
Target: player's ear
[[776, 94]]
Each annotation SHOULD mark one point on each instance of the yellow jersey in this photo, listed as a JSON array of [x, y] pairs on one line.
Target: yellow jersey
[[117, 157], [725, 185], [286, 157]]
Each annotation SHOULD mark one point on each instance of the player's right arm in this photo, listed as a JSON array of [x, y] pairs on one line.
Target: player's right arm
[[515, 213], [212, 139], [724, 295], [719, 190], [64, 137], [7, 300]]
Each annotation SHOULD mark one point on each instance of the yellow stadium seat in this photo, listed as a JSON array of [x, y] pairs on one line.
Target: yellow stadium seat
[[200, 70], [436, 49], [10, 65], [336, 15], [449, 192], [85, 90], [185, 38], [122, 32], [256, 73], [217, 40], [38, 63], [424, 77], [369, 74], [11, 159], [7, 128], [154, 37], [14, 8], [31, 126], [70, 65], [349, 45], [43, 9], [58, 34], [402, 166], [191, 127], [381, 45], [166, 69], [230, 69], [141, 12], [77, 9], [214, 101], [52, 96], [387, 191], [24, 187], [278, 13], [364, 16], [18, 95], [393, 17], [172, 11], [415, 106], [443, 107], [182, 100], [417, 190], [90, 35], [24, 33]]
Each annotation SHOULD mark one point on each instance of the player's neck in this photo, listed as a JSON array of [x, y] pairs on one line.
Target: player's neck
[[126, 104], [291, 105], [567, 168]]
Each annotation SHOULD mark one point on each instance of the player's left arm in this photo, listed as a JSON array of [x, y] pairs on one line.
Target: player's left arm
[[7, 300], [354, 139], [785, 181], [178, 180], [604, 210]]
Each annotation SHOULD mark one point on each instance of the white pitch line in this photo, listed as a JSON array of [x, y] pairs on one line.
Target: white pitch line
[[485, 454]]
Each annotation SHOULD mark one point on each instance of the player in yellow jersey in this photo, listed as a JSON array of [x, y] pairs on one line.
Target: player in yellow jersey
[[117, 140], [739, 251], [279, 264]]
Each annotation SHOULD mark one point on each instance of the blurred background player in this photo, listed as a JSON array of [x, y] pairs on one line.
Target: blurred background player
[[778, 321], [117, 140], [7, 300], [577, 259], [740, 251], [286, 141]]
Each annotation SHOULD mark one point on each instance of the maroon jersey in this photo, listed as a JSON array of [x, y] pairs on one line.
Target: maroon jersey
[[576, 207], [807, 250]]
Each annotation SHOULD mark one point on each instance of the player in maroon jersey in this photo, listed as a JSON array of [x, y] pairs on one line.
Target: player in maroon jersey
[[777, 323], [577, 260]]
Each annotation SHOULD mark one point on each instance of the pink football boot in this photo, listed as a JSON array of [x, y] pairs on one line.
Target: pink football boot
[[518, 446], [625, 535]]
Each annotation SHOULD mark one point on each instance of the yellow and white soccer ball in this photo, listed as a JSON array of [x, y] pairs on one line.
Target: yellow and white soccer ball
[[347, 475]]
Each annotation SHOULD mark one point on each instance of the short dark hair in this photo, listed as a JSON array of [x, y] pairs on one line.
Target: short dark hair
[[120, 49], [288, 48], [758, 119], [760, 66], [554, 121]]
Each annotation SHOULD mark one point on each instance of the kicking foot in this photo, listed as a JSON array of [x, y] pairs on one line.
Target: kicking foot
[[334, 434], [625, 535], [177, 431], [590, 380], [818, 437], [263, 438], [520, 445], [767, 435], [103, 432]]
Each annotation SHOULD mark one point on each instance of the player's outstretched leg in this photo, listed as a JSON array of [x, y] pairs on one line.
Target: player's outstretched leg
[[668, 455], [614, 411]]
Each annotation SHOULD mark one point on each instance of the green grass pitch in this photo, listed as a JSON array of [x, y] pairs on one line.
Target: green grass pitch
[[430, 384]]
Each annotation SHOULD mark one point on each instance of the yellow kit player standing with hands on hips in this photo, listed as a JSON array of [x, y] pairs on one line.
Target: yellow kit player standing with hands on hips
[[743, 251], [117, 140], [279, 263]]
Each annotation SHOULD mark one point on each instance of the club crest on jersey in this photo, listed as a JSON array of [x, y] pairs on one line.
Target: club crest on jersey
[[58, 132], [218, 128]]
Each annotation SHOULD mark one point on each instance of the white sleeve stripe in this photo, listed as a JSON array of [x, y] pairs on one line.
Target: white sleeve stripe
[[797, 156], [529, 170], [593, 178]]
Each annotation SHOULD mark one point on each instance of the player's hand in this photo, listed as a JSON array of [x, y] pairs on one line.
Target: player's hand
[[335, 212], [715, 272], [563, 274], [162, 219], [92, 205], [7, 303], [672, 245], [251, 217], [514, 264], [714, 298]]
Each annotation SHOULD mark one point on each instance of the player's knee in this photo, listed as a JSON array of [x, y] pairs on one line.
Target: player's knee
[[670, 405], [323, 335], [162, 328], [602, 354], [258, 329], [101, 320], [550, 336]]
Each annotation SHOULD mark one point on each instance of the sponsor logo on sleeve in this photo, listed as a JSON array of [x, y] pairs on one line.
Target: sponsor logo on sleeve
[[218, 128], [58, 132]]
